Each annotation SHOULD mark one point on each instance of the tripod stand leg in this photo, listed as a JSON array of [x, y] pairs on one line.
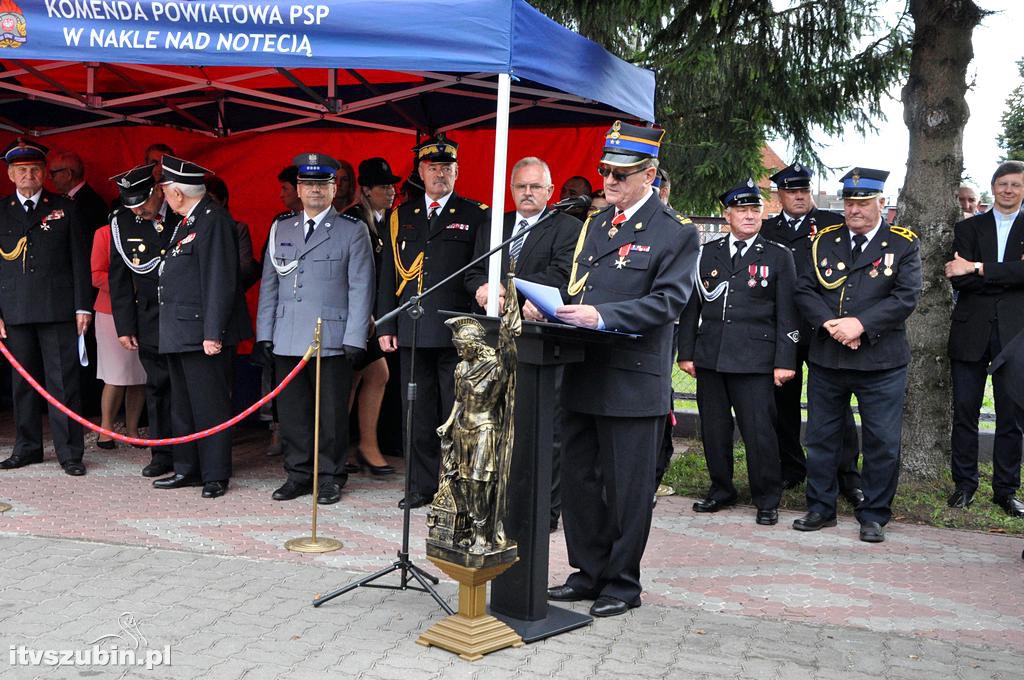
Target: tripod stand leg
[[355, 584], [419, 575], [430, 577]]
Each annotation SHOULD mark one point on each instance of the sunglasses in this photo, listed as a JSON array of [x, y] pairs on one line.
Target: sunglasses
[[617, 176]]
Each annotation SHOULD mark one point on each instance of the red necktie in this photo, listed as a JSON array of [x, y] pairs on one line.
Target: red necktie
[[434, 207]]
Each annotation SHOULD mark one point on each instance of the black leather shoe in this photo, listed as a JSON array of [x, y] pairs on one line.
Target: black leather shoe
[[157, 469], [75, 468], [612, 606], [1010, 505], [872, 532], [416, 500], [108, 445], [215, 489], [376, 470], [290, 490], [569, 594], [768, 517], [713, 504], [854, 495], [16, 461], [329, 493], [961, 498], [176, 481], [813, 521]]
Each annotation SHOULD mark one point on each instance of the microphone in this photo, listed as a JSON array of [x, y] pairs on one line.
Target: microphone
[[581, 201]]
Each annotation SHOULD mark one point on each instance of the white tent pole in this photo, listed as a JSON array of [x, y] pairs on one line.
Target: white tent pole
[[498, 190]]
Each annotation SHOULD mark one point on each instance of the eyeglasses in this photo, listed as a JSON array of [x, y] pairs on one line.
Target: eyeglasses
[[605, 171], [56, 171], [535, 188]]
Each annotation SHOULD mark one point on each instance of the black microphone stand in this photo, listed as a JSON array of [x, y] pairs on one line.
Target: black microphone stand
[[404, 564]]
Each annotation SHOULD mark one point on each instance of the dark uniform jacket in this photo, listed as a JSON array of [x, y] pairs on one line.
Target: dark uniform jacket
[[799, 243], [52, 280], [639, 281], [882, 301], [447, 244], [133, 296], [200, 295], [546, 256], [997, 297], [92, 210], [753, 329]]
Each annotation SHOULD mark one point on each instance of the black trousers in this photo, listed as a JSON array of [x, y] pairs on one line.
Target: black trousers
[[750, 396], [791, 453], [158, 401], [295, 408], [49, 352], [880, 395], [968, 391], [608, 462], [201, 398], [435, 395]]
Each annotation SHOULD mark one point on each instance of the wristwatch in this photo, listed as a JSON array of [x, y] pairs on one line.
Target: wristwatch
[[977, 268]]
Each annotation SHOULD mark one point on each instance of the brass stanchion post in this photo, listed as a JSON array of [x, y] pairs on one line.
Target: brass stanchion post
[[312, 544], [4, 507]]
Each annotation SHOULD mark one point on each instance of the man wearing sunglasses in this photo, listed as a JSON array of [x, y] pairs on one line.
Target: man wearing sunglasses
[[632, 272]]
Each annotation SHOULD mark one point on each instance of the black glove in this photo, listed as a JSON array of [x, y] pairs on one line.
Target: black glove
[[263, 353], [354, 354]]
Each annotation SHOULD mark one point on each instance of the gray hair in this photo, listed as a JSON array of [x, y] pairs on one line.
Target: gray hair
[[532, 160], [73, 162], [189, 190]]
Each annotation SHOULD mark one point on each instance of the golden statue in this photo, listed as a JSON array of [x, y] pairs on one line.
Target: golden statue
[[465, 519], [465, 536]]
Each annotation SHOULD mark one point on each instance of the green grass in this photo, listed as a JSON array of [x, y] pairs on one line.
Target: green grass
[[681, 382], [915, 503]]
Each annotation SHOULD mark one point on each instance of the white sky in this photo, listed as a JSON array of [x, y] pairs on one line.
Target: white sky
[[997, 47]]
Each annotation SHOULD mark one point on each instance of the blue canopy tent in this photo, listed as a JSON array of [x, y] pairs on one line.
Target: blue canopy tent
[[221, 67]]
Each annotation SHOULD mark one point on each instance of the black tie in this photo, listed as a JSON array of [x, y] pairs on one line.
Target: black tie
[[794, 223], [29, 204], [739, 246], [434, 207], [858, 246], [309, 228]]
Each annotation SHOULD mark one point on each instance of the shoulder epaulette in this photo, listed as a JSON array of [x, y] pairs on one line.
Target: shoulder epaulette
[[681, 218], [776, 244], [903, 231], [348, 217], [825, 230], [720, 240], [283, 216]]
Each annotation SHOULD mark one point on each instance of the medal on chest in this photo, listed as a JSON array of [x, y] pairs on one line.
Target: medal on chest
[[889, 259], [623, 260], [874, 268], [752, 274]]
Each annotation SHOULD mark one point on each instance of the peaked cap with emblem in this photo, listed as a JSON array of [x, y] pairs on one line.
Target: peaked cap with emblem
[[744, 193], [864, 183], [315, 167], [626, 144], [438, 149], [795, 176], [20, 152], [136, 185], [181, 171]]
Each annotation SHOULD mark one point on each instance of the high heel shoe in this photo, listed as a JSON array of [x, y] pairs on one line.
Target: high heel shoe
[[108, 445], [376, 470]]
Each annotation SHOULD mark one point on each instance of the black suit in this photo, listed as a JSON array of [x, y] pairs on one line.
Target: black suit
[[201, 299], [92, 211], [617, 399], [736, 341], [788, 397], [93, 214], [40, 293], [446, 244], [136, 310], [988, 314], [835, 287]]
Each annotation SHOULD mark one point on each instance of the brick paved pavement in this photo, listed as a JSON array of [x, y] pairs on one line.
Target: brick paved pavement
[[725, 598]]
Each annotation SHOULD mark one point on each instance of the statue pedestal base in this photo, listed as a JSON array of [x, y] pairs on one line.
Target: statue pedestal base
[[472, 632]]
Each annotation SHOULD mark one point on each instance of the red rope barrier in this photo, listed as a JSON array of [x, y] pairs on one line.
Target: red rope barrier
[[153, 442]]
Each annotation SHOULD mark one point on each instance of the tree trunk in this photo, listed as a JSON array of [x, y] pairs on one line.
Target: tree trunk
[[935, 112]]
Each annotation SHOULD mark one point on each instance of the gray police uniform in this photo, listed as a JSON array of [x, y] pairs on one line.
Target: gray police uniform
[[330, 277]]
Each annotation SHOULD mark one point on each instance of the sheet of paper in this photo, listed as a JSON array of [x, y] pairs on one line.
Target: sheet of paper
[[83, 356], [545, 298]]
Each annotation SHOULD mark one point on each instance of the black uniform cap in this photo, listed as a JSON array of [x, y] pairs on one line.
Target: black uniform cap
[[136, 185]]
